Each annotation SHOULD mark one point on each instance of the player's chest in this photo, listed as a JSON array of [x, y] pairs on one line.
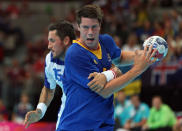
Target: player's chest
[[104, 63]]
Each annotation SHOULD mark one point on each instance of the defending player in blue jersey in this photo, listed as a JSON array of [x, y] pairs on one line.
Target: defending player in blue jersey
[[89, 102], [61, 35]]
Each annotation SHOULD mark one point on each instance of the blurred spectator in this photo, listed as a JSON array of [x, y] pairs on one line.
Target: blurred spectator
[[166, 3], [122, 31], [137, 114], [144, 31], [168, 30], [33, 83], [25, 8], [178, 126], [21, 109], [180, 27], [142, 16], [1, 53], [9, 44], [132, 43], [161, 117], [175, 20], [3, 112], [118, 41], [120, 109], [16, 76], [171, 48], [178, 46], [158, 28], [71, 16], [13, 10]]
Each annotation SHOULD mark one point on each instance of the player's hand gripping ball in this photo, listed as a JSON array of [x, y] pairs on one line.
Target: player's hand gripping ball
[[159, 43]]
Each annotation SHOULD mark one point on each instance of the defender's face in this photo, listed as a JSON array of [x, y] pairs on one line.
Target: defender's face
[[56, 45], [89, 32]]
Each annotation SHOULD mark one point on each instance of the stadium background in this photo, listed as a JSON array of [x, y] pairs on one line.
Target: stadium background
[[23, 46]]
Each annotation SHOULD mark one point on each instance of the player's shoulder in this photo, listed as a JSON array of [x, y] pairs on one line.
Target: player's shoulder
[[106, 39], [48, 58], [75, 50], [76, 54]]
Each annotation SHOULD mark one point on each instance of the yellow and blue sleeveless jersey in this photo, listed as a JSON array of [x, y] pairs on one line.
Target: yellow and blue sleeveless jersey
[[54, 69], [85, 109]]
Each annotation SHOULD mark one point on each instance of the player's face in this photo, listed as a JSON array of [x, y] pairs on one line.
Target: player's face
[[56, 45], [89, 32]]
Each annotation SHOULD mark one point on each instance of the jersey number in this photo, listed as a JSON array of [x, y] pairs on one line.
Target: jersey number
[[57, 73]]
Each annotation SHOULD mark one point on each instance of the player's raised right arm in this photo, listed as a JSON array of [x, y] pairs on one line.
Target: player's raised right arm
[[45, 99], [141, 62]]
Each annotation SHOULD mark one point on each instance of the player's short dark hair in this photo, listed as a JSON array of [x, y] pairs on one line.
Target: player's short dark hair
[[89, 11], [63, 28]]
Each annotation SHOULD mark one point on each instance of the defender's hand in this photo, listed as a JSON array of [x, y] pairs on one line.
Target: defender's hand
[[98, 82], [32, 117]]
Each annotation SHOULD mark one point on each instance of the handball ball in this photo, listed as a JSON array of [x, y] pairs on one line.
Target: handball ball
[[159, 43]]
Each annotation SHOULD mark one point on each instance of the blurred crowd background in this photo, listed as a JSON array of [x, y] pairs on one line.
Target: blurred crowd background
[[23, 47]]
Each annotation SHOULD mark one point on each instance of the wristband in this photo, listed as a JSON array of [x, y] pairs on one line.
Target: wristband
[[113, 73], [109, 74], [43, 108]]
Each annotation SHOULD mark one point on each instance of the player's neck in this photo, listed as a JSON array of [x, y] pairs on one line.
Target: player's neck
[[62, 58], [93, 48]]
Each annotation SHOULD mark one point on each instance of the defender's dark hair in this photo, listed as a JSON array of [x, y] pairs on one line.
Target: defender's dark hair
[[63, 28], [89, 11]]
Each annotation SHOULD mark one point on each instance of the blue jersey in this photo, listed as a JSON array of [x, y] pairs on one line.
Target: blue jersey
[[54, 69], [85, 109]]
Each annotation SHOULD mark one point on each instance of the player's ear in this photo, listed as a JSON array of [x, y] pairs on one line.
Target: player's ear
[[66, 40]]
